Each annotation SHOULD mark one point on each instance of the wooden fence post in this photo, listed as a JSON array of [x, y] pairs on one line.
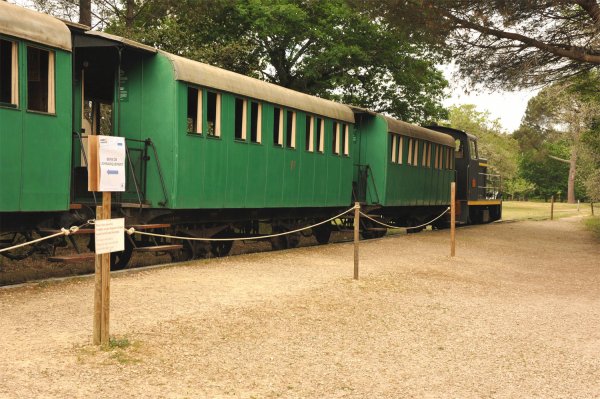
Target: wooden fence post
[[552, 208], [101, 333], [452, 219], [356, 237], [577, 205], [98, 292], [592, 204]]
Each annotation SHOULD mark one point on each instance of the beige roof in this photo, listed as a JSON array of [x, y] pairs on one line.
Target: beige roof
[[119, 39], [34, 26], [221, 79], [406, 129]]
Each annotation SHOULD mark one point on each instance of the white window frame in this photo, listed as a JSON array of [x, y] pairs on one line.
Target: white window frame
[[311, 134], [346, 140], [400, 149], [336, 134], [394, 151], [14, 72], [51, 106], [321, 146], [280, 126]]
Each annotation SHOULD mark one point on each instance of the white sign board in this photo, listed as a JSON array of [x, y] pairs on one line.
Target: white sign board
[[111, 159], [110, 235]]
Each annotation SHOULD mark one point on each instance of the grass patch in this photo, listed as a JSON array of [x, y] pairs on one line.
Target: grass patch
[[114, 342], [593, 224], [517, 210]]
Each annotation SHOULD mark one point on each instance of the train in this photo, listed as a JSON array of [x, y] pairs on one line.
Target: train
[[210, 153]]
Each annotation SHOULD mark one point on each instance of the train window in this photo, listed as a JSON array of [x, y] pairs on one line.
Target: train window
[[40, 80], [473, 149], [458, 148], [255, 122], [416, 153], [426, 155], [335, 138], [436, 161], [320, 135], [194, 110], [400, 149], [290, 133], [309, 134], [240, 119], [9, 73], [394, 147], [277, 126], [346, 140], [213, 114]]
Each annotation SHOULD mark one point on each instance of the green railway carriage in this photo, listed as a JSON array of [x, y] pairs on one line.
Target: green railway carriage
[[35, 112], [223, 140], [404, 169]]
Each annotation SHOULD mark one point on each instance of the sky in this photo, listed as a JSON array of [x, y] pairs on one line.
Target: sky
[[508, 107]]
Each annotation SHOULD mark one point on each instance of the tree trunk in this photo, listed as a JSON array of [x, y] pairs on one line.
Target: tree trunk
[[85, 12], [572, 172], [129, 13]]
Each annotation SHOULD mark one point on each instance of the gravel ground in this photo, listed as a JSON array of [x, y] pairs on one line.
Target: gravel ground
[[515, 314]]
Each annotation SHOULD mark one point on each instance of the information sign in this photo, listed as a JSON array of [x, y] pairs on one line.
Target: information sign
[[110, 235]]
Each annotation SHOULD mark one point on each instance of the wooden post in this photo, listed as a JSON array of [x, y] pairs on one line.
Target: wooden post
[[552, 208], [98, 292], [452, 219], [356, 237], [577, 205], [102, 283], [592, 204]]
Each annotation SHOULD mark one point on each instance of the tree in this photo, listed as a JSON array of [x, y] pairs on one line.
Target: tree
[[558, 114], [508, 44], [498, 147], [334, 49], [325, 48]]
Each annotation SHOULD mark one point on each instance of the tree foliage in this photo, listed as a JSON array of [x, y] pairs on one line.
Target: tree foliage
[[499, 148], [326, 48], [552, 134], [508, 44], [334, 49]]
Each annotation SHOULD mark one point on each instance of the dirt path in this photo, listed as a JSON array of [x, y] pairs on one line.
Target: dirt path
[[515, 314]]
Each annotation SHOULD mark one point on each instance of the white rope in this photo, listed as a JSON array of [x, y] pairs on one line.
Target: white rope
[[408, 227], [63, 231], [131, 231]]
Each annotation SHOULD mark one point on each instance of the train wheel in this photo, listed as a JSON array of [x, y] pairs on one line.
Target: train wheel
[[187, 252], [322, 233], [119, 260], [221, 248], [11, 239]]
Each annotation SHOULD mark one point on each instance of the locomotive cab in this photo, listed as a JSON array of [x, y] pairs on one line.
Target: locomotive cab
[[478, 191]]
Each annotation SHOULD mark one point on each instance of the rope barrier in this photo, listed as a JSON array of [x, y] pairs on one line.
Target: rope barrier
[[132, 230], [409, 227], [63, 231]]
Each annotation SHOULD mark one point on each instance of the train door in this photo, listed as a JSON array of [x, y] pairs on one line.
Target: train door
[[95, 68], [473, 169]]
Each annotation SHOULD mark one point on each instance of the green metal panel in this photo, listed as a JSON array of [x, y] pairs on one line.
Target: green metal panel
[[35, 148], [11, 148], [219, 172], [228, 173], [400, 184]]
